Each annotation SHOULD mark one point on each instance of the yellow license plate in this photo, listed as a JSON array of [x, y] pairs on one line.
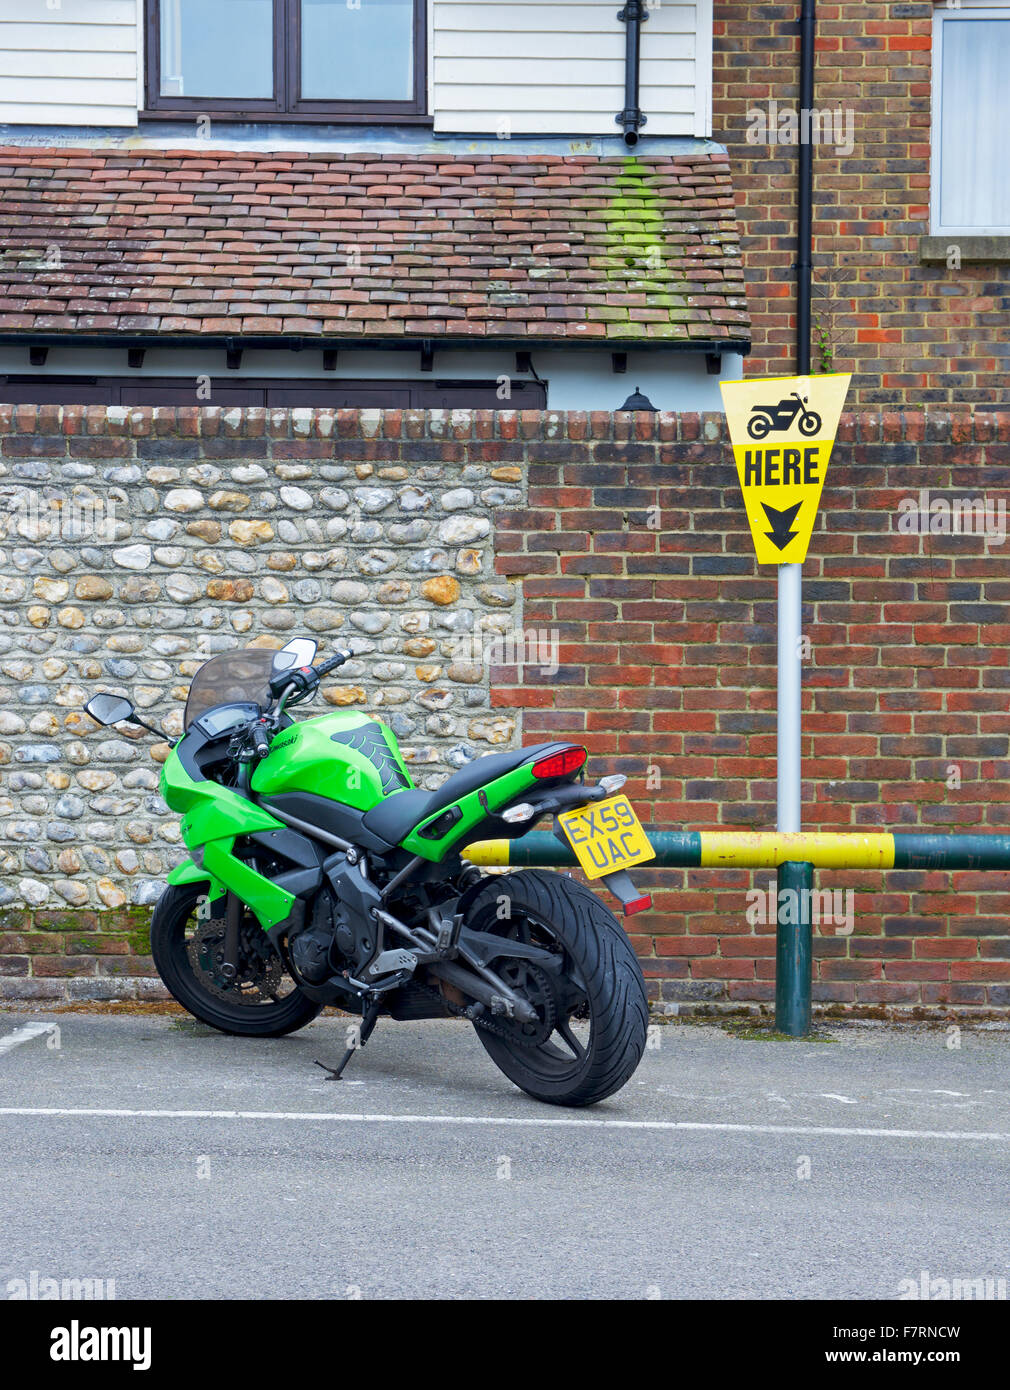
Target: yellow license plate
[[606, 836]]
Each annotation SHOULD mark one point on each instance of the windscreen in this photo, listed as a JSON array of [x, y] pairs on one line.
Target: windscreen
[[231, 678]]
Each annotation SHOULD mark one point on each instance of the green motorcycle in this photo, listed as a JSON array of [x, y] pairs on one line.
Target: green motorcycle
[[320, 875]]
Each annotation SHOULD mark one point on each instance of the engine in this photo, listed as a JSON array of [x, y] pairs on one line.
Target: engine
[[326, 944]]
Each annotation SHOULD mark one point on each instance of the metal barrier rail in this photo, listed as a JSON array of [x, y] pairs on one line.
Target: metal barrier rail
[[795, 856], [767, 849]]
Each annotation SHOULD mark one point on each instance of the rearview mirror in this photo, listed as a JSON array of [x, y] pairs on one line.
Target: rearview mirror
[[300, 651], [109, 709]]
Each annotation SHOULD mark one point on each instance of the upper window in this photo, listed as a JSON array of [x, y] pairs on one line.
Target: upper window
[[970, 181], [288, 59]]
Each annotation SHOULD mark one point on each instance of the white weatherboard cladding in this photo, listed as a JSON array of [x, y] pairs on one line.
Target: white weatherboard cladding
[[71, 63], [530, 67], [522, 66]]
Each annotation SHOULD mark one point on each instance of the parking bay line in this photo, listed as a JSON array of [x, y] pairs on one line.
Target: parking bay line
[[25, 1034], [529, 1122]]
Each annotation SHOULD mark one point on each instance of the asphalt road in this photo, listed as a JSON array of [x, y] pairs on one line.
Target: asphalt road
[[427, 1174]]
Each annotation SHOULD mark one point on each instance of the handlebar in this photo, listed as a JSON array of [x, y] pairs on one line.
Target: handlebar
[[334, 661], [302, 680], [290, 686]]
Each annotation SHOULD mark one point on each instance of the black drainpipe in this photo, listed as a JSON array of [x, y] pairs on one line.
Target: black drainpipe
[[804, 235], [631, 119]]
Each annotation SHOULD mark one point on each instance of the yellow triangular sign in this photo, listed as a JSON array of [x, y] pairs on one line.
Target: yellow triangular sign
[[782, 429]]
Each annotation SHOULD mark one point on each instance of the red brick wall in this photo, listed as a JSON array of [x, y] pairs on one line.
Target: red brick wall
[[911, 332], [668, 660]]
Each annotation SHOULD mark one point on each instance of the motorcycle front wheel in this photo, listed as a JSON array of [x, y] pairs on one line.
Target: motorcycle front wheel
[[187, 944], [591, 1004]]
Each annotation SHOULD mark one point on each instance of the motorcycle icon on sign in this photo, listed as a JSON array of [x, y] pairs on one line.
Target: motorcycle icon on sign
[[765, 418]]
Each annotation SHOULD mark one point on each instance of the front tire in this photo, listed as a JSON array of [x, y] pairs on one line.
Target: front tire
[[175, 927], [602, 988]]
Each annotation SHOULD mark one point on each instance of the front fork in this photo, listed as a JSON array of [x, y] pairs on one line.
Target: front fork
[[232, 930]]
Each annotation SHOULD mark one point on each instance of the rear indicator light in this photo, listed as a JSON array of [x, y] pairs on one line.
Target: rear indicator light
[[641, 904], [560, 764]]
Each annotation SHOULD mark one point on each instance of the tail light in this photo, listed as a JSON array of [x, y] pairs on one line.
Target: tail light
[[560, 764]]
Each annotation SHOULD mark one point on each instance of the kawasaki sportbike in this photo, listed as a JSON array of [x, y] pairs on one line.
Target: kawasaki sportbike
[[320, 875]]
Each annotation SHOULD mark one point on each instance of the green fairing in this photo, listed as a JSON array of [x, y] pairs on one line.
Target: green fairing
[[213, 817], [496, 794], [190, 872]]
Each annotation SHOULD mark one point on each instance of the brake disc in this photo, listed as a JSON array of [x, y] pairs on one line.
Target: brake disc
[[259, 973]]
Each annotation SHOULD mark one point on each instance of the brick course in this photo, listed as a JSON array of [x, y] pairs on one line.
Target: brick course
[[912, 333]]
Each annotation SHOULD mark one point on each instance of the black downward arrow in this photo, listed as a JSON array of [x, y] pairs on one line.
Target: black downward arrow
[[781, 522]]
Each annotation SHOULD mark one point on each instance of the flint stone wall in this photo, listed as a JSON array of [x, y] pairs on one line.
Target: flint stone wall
[[138, 543]]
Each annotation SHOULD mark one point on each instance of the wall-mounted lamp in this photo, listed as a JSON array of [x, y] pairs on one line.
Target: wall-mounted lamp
[[636, 401]]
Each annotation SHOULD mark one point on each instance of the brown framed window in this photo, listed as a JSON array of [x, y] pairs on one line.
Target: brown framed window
[[333, 60]]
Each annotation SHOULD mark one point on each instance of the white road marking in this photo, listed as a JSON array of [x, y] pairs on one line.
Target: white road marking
[[24, 1034], [924, 1091], [530, 1122]]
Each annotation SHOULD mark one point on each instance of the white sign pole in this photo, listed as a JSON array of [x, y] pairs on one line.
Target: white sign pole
[[790, 632], [793, 941]]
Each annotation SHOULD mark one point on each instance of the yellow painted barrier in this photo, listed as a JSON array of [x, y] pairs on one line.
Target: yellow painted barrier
[[715, 849], [489, 854], [767, 849]]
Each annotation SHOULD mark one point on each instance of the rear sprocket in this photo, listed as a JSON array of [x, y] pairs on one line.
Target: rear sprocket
[[536, 987]]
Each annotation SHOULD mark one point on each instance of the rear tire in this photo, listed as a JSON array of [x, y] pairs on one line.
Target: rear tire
[[599, 957], [175, 910]]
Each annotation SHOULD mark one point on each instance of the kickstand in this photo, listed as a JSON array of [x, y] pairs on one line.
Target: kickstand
[[368, 1021]]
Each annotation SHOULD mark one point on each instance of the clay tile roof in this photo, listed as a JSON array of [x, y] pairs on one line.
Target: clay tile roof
[[190, 242]]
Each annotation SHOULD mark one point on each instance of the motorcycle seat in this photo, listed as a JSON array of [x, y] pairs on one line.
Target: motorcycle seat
[[395, 817]]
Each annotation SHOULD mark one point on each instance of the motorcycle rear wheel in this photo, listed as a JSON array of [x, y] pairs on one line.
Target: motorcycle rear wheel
[[177, 951], [600, 1013]]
